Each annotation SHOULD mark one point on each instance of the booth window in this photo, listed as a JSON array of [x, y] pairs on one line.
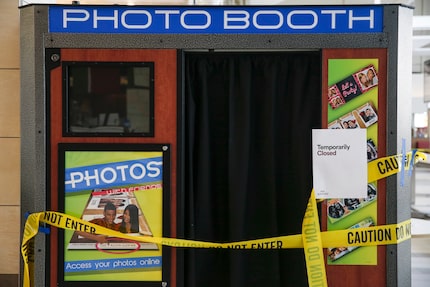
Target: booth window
[[109, 99]]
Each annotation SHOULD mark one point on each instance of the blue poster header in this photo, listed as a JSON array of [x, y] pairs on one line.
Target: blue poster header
[[215, 19], [116, 174]]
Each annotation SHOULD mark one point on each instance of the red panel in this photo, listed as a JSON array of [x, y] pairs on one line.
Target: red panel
[[357, 275], [165, 104]]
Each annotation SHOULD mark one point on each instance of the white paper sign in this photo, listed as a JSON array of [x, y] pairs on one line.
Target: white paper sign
[[339, 163]]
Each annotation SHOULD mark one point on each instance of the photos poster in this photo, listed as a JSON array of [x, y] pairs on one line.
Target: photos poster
[[353, 103], [131, 181]]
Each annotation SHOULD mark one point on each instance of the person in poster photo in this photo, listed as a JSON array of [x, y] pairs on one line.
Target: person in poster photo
[[334, 97], [371, 151], [337, 101], [352, 124], [364, 81], [367, 114], [349, 121], [367, 78], [371, 75], [371, 192], [336, 209], [332, 92], [352, 203], [130, 220], [108, 221]]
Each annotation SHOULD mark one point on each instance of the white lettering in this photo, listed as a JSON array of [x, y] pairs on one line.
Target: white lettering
[[88, 177], [121, 173], [167, 13], [153, 168], [67, 19], [269, 12], [196, 12], [75, 177], [241, 17], [77, 266], [302, 12], [137, 166], [183, 19], [370, 18], [333, 16], [134, 26], [105, 177], [96, 18], [122, 168]]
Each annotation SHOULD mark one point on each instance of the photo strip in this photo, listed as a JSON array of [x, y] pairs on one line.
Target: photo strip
[[362, 117], [367, 78], [367, 115], [349, 121], [352, 86], [334, 97], [339, 208]]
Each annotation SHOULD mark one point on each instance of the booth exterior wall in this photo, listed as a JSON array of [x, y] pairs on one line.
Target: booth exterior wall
[[9, 143], [398, 136]]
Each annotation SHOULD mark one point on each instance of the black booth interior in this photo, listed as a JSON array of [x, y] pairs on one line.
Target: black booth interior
[[248, 162]]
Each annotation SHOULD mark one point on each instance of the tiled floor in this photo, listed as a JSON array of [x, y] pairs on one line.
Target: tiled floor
[[420, 229]]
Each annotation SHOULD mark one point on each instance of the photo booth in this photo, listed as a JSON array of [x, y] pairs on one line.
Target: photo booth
[[202, 117]]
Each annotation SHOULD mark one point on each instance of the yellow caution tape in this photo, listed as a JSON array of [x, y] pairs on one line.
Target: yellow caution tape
[[311, 239], [368, 236], [390, 165], [312, 245]]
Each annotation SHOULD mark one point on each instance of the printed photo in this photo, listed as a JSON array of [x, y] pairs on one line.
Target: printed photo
[[352, 86], [371, 192], [336, 209], [366, 78], [335, 99], [339, 208], [352, 203], [372, 152], [349, 121], [117, 211], [367, 115]]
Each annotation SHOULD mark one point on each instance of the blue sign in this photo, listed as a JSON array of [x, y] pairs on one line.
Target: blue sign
[[100, 265], [140, 171], [215, 19]]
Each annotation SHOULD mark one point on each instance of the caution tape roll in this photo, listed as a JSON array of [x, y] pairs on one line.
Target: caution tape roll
[[312, 240]]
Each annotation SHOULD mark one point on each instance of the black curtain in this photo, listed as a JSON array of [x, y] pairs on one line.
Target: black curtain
[[248, 173]]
